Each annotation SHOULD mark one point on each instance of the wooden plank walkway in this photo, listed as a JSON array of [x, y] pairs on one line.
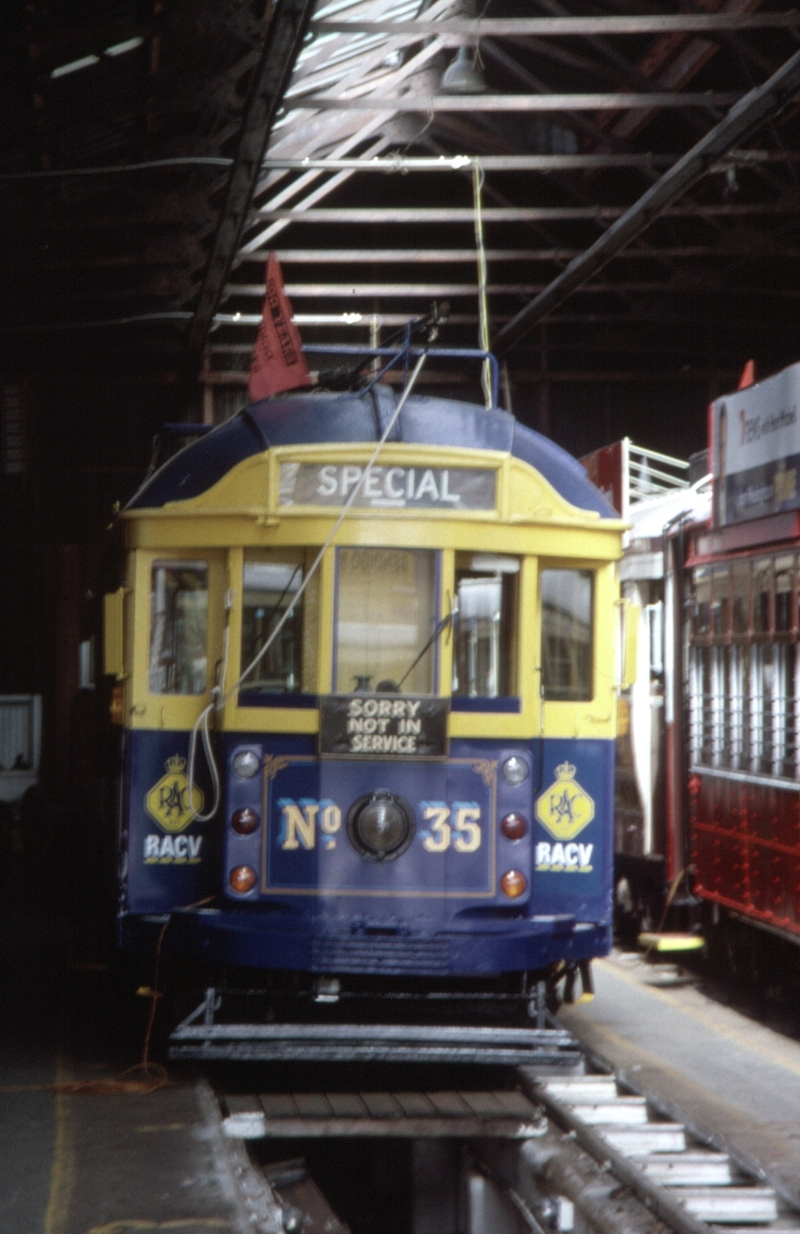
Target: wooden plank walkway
[[499, 1114]]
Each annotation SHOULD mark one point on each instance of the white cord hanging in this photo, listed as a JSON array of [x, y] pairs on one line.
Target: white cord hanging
[[483, 302]]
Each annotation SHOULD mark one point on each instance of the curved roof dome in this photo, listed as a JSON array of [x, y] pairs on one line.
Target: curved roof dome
[[305, 418]]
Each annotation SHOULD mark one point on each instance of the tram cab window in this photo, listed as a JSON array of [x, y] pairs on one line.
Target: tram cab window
[[270, 584], [567, 634], [178, 627], [385, 620], [485, 625]]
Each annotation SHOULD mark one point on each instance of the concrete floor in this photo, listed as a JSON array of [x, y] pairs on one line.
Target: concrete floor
[[114, 1162], [676, 1037], [90, 1162]]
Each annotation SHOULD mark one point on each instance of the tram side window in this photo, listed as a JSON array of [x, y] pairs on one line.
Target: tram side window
[[270, 586], [567, 634], [743, 698], [178, 627], [485, 626], [386, 620]]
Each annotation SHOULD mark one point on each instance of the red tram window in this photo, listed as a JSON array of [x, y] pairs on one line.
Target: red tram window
[[702, 600], [784, 581], [720, 600], [762, 594], [740, 587]]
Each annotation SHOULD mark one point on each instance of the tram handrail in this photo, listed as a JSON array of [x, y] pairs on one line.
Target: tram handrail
[[469, 353]]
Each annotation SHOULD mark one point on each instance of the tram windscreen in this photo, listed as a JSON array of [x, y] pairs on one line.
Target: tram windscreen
[[178, 627], [386, 615], [567, 635], [484, 644], [270, 585]]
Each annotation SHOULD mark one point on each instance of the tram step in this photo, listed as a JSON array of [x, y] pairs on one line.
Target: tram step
[[731, 1205], [583, 1089], [687, 1169], [622, 1111], [643, 1140]]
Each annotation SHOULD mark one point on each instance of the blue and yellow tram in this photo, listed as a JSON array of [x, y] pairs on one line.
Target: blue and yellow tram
[[374, 744]]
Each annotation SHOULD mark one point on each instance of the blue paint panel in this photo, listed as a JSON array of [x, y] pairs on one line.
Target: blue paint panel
[[333, 867], [324, 417], [184, 868], [425, 913], [585, 892]]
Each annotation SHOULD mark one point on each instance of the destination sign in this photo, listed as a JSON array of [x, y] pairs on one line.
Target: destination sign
[[383, 726], [427, 488]]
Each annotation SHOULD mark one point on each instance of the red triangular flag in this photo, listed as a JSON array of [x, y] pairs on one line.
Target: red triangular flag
[[278, 362], [748, 377]]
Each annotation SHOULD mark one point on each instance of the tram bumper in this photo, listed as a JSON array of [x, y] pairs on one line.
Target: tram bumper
[[457, 948]]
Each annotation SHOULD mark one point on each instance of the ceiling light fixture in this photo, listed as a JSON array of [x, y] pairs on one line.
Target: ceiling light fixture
[[463, 75]]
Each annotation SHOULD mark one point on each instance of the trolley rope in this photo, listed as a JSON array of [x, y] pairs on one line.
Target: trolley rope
[[218, 698]]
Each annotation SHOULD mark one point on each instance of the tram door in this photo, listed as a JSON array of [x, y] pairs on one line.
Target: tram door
[[174, 637]]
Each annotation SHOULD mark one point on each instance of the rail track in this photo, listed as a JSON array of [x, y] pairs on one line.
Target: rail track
[[547, 1151]]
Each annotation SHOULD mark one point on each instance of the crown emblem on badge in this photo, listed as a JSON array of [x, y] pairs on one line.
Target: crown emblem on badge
[[565, 771], [176, 763]]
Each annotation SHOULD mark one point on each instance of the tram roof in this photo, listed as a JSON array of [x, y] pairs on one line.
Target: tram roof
[[308, 418]]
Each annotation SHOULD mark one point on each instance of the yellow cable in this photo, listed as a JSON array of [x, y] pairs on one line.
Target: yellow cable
[[483, 304]]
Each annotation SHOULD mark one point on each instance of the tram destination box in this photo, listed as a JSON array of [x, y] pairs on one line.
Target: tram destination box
[[383, 726]]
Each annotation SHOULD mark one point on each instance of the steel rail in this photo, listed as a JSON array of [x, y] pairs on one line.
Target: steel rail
[[660, 1203], [284, 39], [741, 121], [464, 29]]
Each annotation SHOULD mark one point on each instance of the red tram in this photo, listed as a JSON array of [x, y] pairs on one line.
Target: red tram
[[707, 819], [742, 664]]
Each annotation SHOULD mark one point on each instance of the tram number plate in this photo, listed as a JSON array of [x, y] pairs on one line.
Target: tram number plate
[[383, 726]]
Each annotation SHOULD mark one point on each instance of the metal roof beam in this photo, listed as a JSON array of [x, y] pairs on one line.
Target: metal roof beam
[[471, 103], [427, 291], [417, 256], [754, 109], [644, 315], [284, 38], [455, 31], [495, 162], [358, 216]]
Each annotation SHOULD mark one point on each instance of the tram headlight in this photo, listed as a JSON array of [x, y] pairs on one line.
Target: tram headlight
[[380, 825], [515, 770], [242, 879], [513, 884], [245, 764]]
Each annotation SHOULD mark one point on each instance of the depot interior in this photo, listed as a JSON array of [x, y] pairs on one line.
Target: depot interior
[[134, 241]]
